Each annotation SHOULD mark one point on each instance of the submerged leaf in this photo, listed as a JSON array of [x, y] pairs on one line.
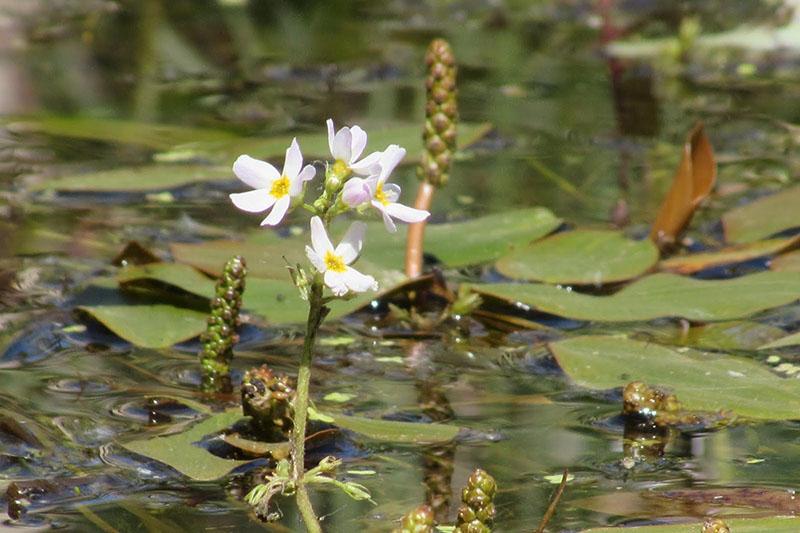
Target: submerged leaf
[[763, 217], [703, 381], [394, 431], [788, 340], [149, 326], [580, 257], [691, 263], [692, 183], [181, 452], [656, 296], [136, 179], [779, 524]]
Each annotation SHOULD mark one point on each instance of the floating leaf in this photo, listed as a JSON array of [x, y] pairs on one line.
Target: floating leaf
[[580, 257], [780, 524], [137, 179], [174, 274], [692, 183], [659, 295], [316, 144], [786, 263], [702, 381], [149, 326], [156, 136], [734, 335], [394, 431], [788, 340], [691, 263], [181, 452], [763, 217]]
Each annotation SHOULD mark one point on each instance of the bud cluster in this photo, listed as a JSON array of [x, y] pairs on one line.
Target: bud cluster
[[267, 398], [441, 113], [420, 520], [220, 335], [477, 513]]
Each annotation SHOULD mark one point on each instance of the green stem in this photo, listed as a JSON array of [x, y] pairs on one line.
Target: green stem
[[316, 313]]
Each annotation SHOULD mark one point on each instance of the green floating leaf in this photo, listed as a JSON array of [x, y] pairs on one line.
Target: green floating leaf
[[316, 144], [580, 257], [659, 295], [471, 242], [779, 524], [137, 179], [173, 274], [181, 452], [393, 431], [149, 326], [702, 381], [763, 217], [156, 136], [786, 263], [788, 340], [691, 263]]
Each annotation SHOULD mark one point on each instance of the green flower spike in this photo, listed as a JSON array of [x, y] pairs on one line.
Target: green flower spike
[[477, 513], [220, 335], [441, 113], [420, 520]]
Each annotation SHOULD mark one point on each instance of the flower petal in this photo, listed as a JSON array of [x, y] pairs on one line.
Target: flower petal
[[293, 161], [356, 191], [278, 211], [254, 172], [315, 259], [368, 165], [358, 282], [390, 159], [352, 242], [305, 175], [336, 281], [406, 214], [359, 142], [331, 134], [319, 237], [253, 201], [342, 145], [391, 192], [391, 227]]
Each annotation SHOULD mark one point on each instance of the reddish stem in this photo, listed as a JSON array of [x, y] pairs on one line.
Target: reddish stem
[[416, 232]]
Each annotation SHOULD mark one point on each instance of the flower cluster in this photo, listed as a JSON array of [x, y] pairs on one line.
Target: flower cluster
[[351, 183]]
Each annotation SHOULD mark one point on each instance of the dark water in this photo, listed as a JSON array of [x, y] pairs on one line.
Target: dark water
[[574, 131]]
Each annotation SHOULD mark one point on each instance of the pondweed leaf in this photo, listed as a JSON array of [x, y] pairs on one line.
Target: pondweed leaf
[[763, 217], [702, 381]]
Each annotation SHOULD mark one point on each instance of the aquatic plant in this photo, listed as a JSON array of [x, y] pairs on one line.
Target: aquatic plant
[[220, 335], [332, 275], [477, 513], [419, 520]]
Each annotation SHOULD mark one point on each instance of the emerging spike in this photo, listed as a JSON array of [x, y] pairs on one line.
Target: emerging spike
[[441, 113], [220, 335], [477, 513]]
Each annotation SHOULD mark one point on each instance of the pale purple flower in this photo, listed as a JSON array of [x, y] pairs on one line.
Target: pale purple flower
[[272, 189], [333, 262], [346, 147], [381, 195]]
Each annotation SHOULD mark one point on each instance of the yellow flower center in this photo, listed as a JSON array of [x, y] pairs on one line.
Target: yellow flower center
[[380, 195], [334, 262], [340, 169], [280, 187]]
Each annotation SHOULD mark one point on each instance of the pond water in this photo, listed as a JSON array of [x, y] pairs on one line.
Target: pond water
[[572, 130]]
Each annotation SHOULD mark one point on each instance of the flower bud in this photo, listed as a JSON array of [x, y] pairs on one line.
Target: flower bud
[[356, 192]]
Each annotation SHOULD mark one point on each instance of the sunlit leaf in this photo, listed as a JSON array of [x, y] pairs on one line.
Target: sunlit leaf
[[395, 431], [786, 263], [149, 326], [137, 179], [181, 452], [691, 263], [763, 217], [693, 181], [656, 296], [702, 381], [580, 257], [156, 136]]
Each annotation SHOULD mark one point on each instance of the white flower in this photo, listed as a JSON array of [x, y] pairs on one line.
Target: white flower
[[346, 146], [334, 262], [383, 196], [272, 189]]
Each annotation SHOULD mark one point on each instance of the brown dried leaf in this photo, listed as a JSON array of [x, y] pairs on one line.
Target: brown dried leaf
[[693, 182]]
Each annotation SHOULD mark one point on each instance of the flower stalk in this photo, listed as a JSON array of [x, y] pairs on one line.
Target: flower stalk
[[439, 139]]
